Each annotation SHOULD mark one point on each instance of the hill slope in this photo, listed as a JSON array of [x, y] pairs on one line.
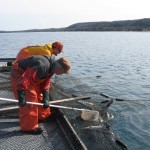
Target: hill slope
[[126, 25]]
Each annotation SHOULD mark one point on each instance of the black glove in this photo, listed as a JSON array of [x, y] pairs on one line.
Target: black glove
[[21, 98], [45, 100]]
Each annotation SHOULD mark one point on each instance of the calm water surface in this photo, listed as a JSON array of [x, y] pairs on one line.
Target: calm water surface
[[122, 59]]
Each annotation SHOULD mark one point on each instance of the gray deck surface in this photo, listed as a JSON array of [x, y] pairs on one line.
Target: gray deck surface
[[12, 139]]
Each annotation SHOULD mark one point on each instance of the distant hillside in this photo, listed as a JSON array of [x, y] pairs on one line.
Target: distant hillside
[[126, 25], [36, 30]]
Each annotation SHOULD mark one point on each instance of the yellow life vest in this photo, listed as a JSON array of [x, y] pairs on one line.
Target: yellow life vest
[[39, 50]]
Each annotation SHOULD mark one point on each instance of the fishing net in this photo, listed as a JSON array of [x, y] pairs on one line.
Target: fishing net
[[94, 134], [98, 133]]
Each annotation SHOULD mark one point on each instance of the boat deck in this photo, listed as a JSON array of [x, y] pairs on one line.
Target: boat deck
[[51, 138], [54, 134], [67, 130]]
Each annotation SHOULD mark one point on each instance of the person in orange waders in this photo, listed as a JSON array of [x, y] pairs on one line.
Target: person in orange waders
[[30, 81], [48, 49]]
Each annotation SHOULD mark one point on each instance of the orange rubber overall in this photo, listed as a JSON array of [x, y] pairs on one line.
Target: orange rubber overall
[[29, 121]]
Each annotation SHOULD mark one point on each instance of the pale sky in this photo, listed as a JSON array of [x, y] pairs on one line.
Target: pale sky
[[41, 14]]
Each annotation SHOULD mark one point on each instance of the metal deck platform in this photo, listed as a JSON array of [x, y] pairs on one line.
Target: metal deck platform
[[67, 130]]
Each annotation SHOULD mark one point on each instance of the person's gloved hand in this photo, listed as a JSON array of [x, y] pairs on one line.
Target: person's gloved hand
[[46, 99], [21, 98]]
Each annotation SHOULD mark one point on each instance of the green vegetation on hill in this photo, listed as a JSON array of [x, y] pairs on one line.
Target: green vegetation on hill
[[128, 25]]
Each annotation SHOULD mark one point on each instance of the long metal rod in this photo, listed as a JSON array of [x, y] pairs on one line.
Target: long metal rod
[[51, 102], [8, 108], [70, 99], [57, 101], [122, 100], [41, 104]]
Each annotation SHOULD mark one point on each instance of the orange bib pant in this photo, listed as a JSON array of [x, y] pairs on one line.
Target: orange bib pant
[[29, 114]]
